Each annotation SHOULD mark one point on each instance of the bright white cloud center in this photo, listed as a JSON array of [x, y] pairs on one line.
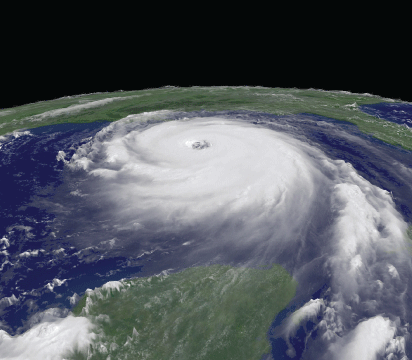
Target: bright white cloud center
[[182, 172]]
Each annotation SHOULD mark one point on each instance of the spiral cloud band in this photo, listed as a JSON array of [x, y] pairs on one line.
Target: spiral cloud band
[[221, 189], [183, 172]]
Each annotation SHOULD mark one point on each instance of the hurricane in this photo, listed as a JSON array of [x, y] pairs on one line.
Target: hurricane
[[244, 193], [248, 189]]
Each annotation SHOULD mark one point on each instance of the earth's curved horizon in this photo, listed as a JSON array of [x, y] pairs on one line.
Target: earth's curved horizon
[[206, 222]]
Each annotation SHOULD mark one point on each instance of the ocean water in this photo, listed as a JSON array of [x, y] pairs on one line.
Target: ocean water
[[400, 113]]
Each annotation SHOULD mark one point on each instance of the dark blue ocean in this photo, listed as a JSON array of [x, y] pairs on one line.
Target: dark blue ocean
[[28, 169], [400, 113]]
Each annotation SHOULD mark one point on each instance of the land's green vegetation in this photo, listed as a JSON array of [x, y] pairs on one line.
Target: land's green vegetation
[[409, 238], [216, 312], [337, 105]]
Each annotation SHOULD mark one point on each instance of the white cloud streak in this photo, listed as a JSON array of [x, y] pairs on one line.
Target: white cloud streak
[[74, 109]]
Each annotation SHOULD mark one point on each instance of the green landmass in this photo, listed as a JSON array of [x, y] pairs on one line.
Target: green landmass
[[337, 105], [216, 312], [409, 238]]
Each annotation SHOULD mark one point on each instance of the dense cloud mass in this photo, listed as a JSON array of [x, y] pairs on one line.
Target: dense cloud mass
[[227, 190], [241, 187], [50, 339], [220, 188]]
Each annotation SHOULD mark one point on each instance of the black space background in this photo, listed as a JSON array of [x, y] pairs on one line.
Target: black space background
[[38, 66]]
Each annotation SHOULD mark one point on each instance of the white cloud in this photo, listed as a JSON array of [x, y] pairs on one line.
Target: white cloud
[[393, 272], [159, 178], [74, 299], [74, 109], [8, 301], [54, 283], [61, 155], [6, 112], [5, 242], [113, 285], [58, 251], [366, 341], [307, 312], [5, 263], [29, 253], [48, 340]]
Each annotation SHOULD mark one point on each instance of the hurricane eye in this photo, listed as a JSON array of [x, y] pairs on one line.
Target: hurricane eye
[[199, 145]]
